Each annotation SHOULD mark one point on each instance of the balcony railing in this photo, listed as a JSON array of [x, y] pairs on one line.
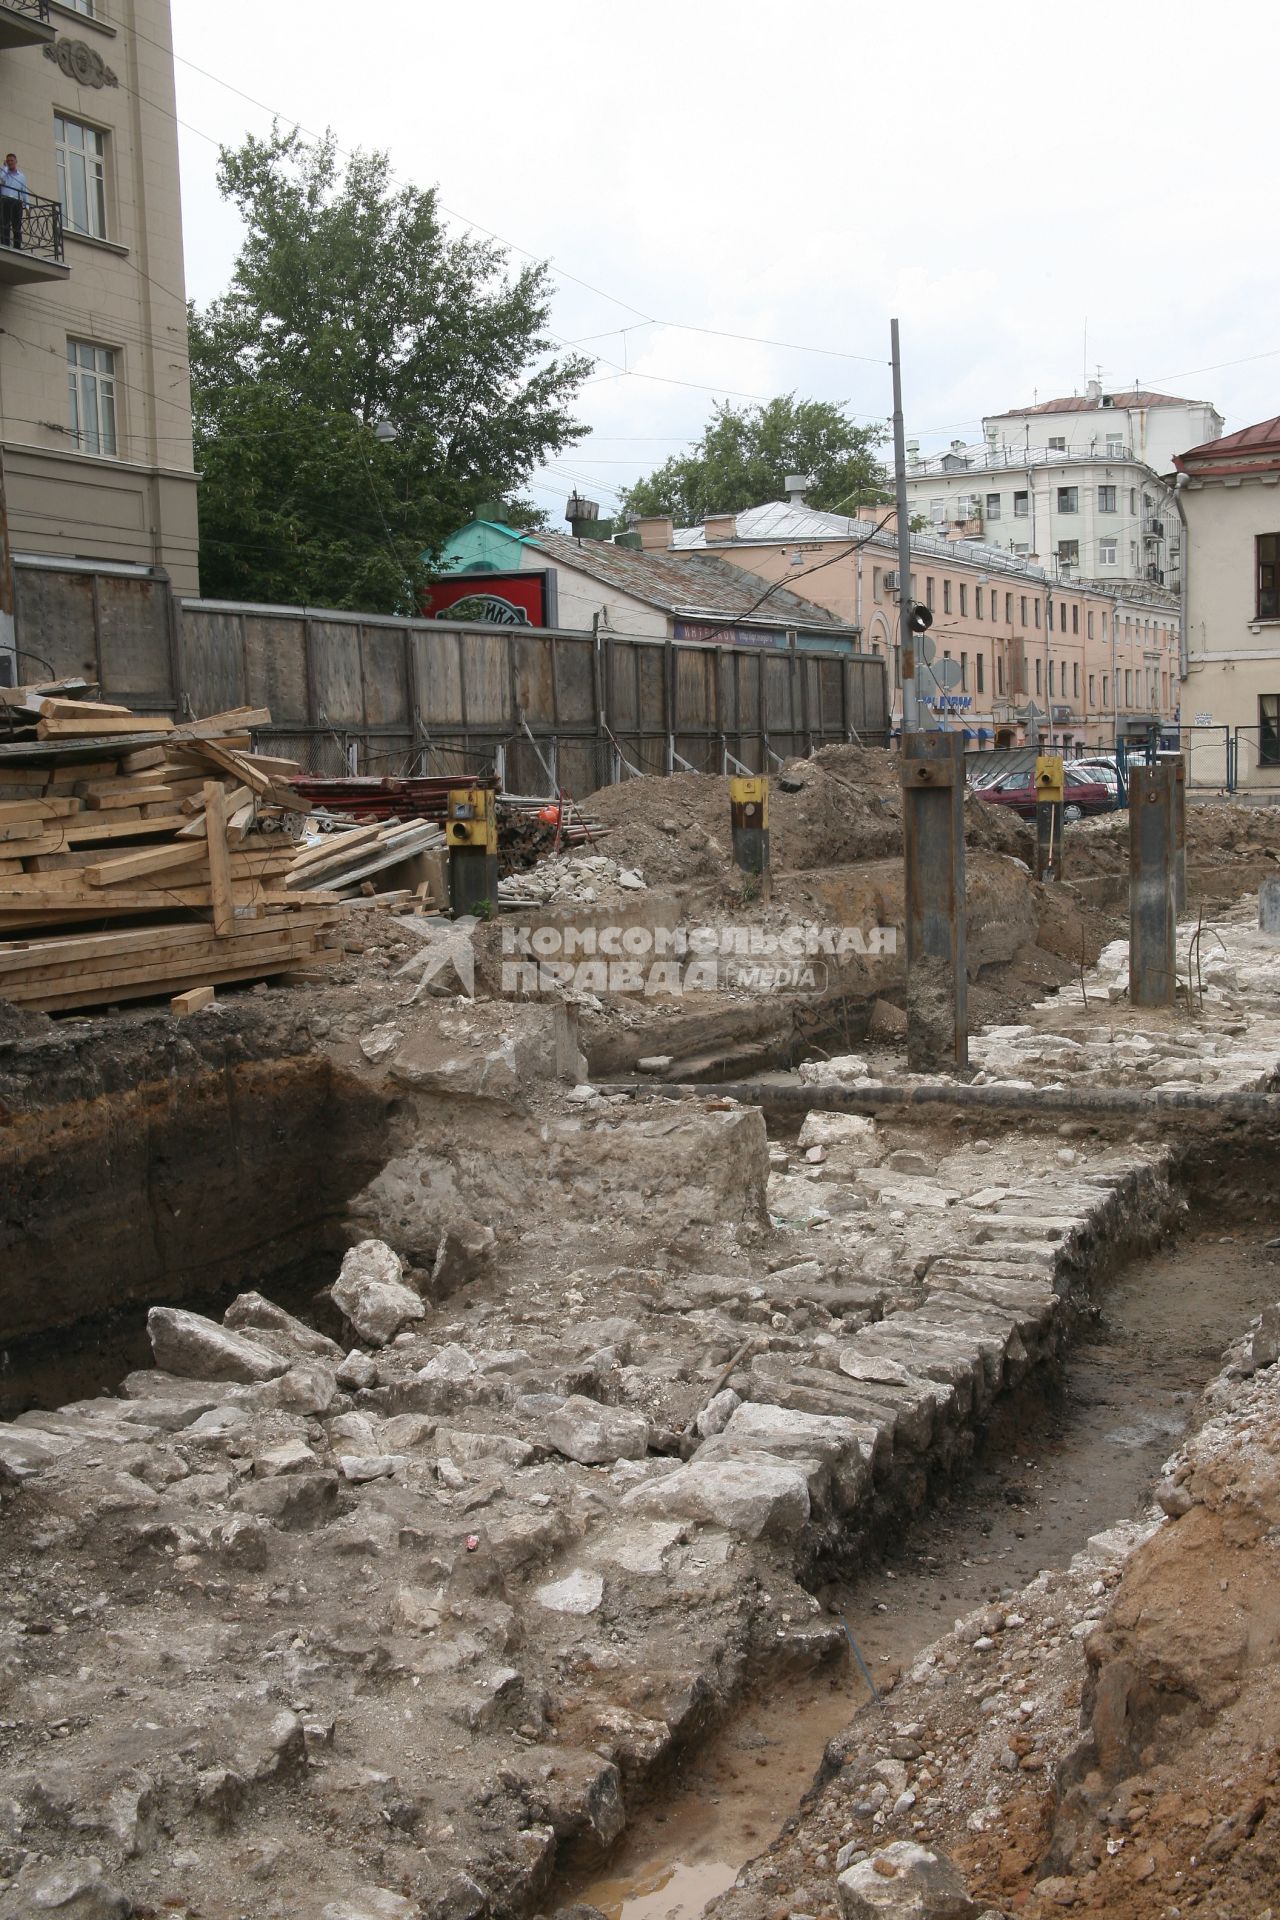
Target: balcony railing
[[989, 459], [40, 256], [25, 23]]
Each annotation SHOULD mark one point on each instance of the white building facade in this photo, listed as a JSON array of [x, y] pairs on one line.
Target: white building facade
[[1081, 486]]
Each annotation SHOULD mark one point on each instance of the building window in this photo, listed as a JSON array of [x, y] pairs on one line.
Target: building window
[[964, 597], [1093, 690], [1021, 505], [1022, 608], [1075, 679], [1133, 500], [1051, 679], [1269, 577], [977, 602], [1048, 614], [978, 661], [1133, 555], [1089, 625], [1008, 610], [1000, 674], [1037, 612], [1269, 729], [91, 396], [928, 591], [946, 596], [1068, 499], [86, 7], [1057, 443], [82, 176], [964, 673], [1115, 444], [875, 583], [993, 506], [1039, 688], [937, 511], [1106, 499], [1075, 619], [1107, 553], [1068, 553], [1128, 687]]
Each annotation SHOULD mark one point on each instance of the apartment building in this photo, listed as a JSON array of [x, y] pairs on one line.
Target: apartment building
[[1067, 663], [1230, 494], [95, 405], [1081, 486]]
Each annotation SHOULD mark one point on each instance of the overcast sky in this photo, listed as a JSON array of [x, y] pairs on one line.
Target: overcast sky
[[1011, 180]]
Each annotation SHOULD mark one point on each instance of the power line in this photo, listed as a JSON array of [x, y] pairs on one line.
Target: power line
[[492, 234]]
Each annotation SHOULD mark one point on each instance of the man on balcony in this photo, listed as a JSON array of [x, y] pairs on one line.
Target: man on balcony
[[13, 198]]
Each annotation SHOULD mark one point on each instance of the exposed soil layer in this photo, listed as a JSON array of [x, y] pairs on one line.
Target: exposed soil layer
[[151, 1158]]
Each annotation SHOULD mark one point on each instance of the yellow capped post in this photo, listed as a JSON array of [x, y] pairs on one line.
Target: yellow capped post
[[471, 835], [1050, 789], [749, 823]]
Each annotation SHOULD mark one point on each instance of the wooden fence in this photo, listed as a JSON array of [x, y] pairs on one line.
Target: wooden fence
[[371, 694]]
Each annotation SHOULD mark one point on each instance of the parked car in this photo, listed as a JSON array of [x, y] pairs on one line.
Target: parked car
[[1082, 795]]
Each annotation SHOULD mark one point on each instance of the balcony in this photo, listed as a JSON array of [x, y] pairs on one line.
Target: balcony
[[40, 255], [1155, 529], [25, 23]]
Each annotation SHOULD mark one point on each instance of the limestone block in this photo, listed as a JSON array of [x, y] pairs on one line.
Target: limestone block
[[187, 1344]]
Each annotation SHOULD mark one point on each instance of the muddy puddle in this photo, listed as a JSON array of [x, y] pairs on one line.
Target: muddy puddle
[[1072, 1469]]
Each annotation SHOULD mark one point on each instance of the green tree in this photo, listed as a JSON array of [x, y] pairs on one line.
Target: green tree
[[365, 382], [746, 453]]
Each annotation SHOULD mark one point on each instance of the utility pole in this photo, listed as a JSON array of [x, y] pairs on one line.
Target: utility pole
[[906, 638]]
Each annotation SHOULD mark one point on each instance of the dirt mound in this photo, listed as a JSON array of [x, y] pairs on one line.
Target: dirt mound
[[1218, 833], [839, 806]]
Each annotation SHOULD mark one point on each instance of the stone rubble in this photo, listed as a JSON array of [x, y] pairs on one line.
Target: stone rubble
[[516, 1542]]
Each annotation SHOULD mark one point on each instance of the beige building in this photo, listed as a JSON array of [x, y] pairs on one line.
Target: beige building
[[1019, 655], [1229, 492], [95, 404]]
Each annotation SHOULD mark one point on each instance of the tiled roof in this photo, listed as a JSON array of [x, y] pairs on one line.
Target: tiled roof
[[696, 586], [1252, 450], [1083, 403]]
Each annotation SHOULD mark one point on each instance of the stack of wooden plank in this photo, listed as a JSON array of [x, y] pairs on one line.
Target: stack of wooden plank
[[140, 858], [342, 861]]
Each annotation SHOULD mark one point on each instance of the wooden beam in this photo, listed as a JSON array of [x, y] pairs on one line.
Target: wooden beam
[[215, 814], [191, 1001]]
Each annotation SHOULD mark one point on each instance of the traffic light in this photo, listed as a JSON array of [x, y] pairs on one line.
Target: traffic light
[[921, 618]]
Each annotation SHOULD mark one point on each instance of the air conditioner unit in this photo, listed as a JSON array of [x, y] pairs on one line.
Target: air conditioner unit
[[891, 580]]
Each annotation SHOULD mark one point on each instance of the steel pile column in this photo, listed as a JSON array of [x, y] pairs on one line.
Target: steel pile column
[[1152, 919], [1180, 835], [933, 833]]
